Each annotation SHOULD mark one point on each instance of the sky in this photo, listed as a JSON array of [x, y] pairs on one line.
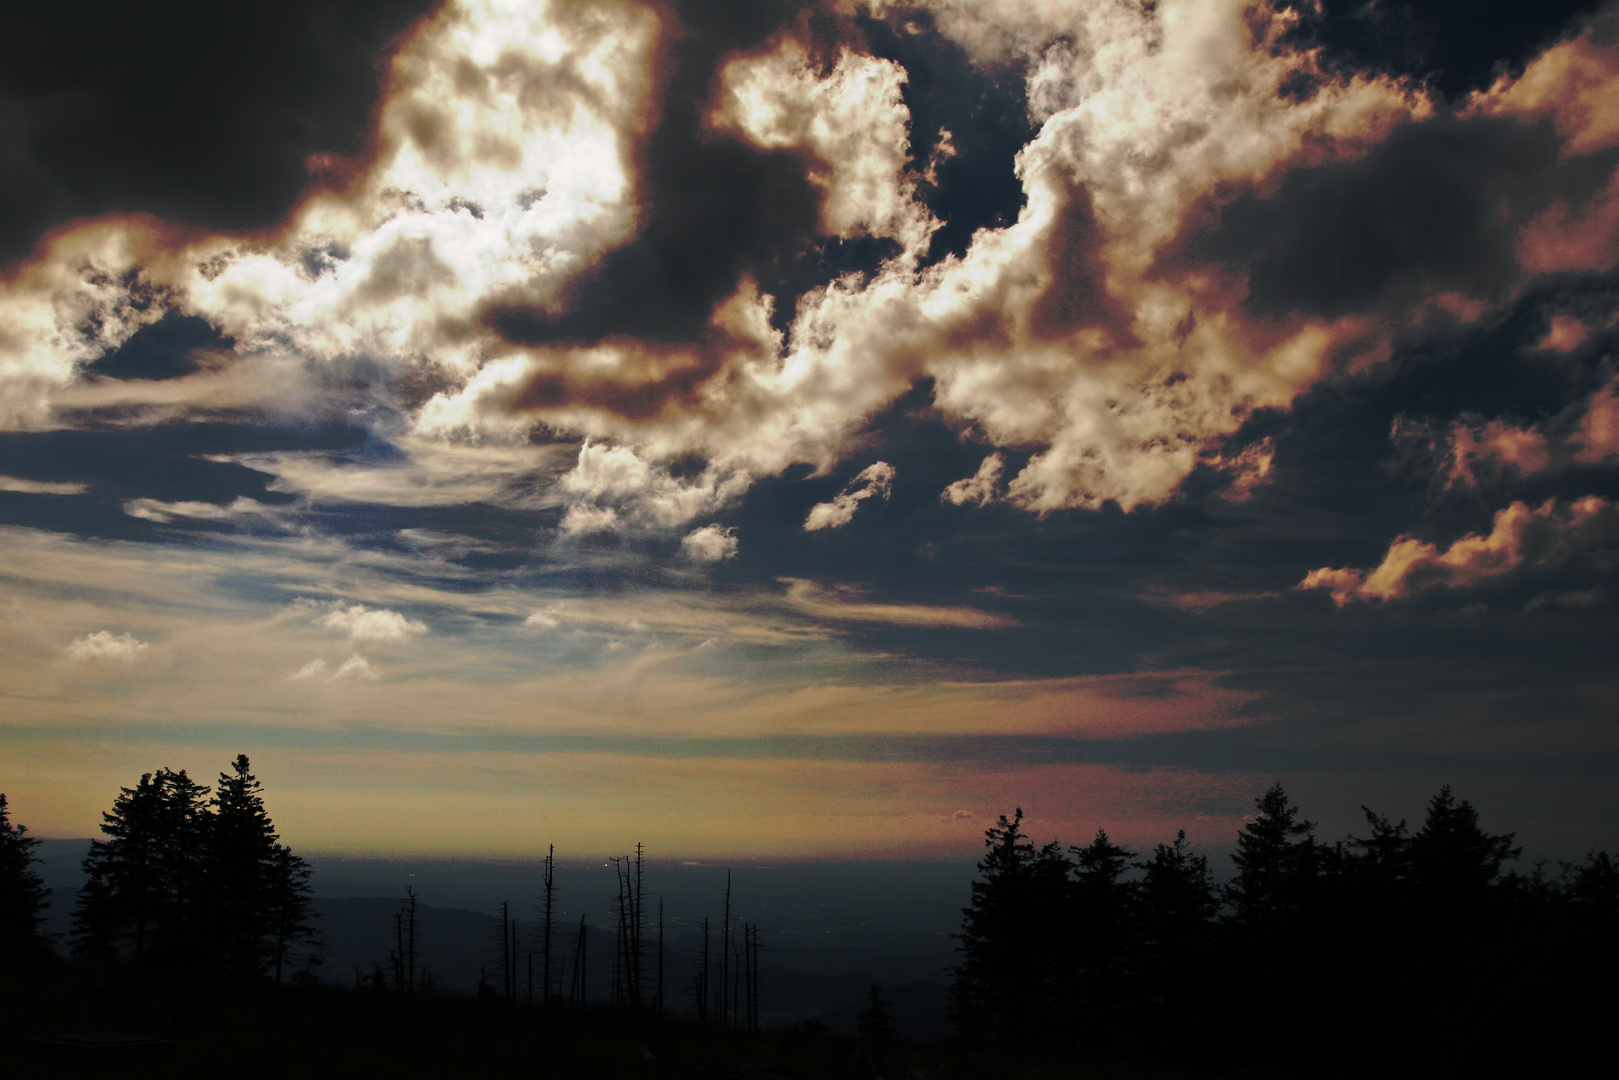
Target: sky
[[811, 430]]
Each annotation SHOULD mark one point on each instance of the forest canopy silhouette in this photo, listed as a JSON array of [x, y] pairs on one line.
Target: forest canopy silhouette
[[191, 880], [1422, 942], [1413, 948]]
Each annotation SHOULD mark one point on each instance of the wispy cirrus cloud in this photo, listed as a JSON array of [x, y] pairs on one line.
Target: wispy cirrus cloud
[[845, 603], [42, 487]]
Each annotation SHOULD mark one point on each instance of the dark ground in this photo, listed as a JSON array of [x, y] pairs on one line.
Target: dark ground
[[246, 1032]]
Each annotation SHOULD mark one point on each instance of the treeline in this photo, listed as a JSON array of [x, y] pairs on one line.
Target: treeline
[[185, 877], [1410, 951]]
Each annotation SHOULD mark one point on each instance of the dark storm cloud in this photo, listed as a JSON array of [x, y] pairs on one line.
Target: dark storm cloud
[[714, 207], [202, 113], [717, 208], [1456, 45], [1437, 207]]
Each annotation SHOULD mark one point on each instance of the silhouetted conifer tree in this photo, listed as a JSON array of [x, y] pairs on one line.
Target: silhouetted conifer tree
[[186, 881], [875, 1022], [145, 883], [1102, 915], [288, 910], [1453, 861], [1176, 904], [243, 852], [22, 891], [1277, 861], [1009, 977], [1593, 886]]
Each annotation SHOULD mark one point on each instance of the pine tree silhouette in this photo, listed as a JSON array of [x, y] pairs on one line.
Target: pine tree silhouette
[[1277, 861], [1102, 911], [1453, 861], [875, 1022], [1176, 906], [243, 851], [22, 891], [184, 881], [144, 884], [1010, 972]]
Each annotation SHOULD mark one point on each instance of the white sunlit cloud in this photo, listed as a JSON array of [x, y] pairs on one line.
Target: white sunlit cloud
[[355, 668], [874, 482], [710, 544], [360, 623], [105, 645], [505, 167]]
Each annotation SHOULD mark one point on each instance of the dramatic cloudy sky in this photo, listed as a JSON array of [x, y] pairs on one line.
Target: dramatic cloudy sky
[[759, 427]]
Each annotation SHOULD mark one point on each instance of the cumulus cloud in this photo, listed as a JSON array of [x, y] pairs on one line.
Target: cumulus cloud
[[711, 543], [1564, 334], [1521, 537], [355, 668], [105, 645], [1474, 441], [1246, 469], [360, 623], [874, 481], [853, 119], [543, 620], [498, 262], [847, 603], [1472, 450], [641, 492], [582, 520], [1597, 437], [979, 489]]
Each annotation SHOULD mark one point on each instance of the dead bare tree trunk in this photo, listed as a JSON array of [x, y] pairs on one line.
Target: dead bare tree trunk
[[725, 955], [637, 922], [550, 901], [579, 959], [505, 950], [703, 984], [410, 941], [399, 951]]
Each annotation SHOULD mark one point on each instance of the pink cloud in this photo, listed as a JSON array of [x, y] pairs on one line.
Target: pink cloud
[[1598, 433], [1564, 335], [1524, 450], [1521, 537]]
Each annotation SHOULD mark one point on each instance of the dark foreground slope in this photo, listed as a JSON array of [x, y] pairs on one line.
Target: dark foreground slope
[[247, 1032]]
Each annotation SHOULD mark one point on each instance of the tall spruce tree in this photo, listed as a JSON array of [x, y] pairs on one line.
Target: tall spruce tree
[[287, 910], [1009, 978], [243, 854], [1277, 861], [1453, 860], [139, 881], [1176, 906], [22, 891], [1102, 913]]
